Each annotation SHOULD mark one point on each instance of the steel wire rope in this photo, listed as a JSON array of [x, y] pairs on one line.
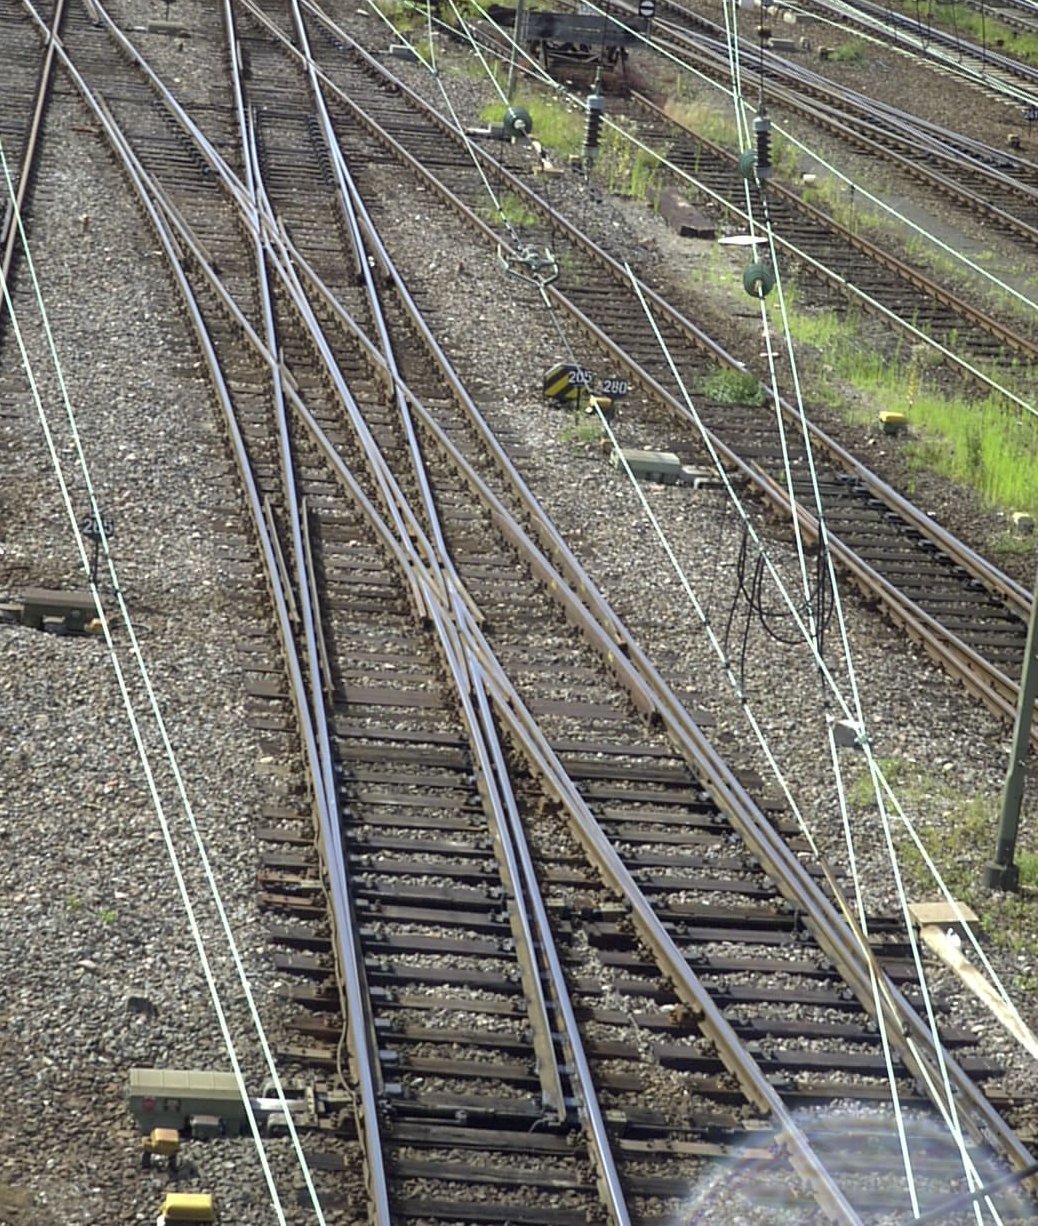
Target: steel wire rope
[[903, 817], [816, 636], [684, 580], [809, 597], [128, 703], [160, 724], [850, 672], [861, 723], [841, 902], [518, 245]]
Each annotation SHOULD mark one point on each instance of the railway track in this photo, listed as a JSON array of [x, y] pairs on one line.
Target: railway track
[[996, 184], [28, 68], [427, 782], [836, 262], [598, 296], [990, 68]]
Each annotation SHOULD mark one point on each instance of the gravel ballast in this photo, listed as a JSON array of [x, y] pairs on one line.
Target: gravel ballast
[[99, 969]]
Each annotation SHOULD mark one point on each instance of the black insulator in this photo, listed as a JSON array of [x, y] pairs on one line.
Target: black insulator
[[593, 127], [762, 128]]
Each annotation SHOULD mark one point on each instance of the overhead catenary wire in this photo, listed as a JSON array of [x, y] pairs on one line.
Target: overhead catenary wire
[[849, 667], [744, 108], [556, 325], [733, 39]]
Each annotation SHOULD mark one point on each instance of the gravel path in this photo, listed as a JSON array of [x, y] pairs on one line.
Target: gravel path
[[86, 878]]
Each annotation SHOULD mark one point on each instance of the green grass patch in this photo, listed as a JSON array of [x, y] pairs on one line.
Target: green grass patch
[[1027, 863], [979, 27], [559, 128], [988, 445], [959, 833], [850, 52], [627, 170], [733, 387], [705, 119], [581, 432], [402, 16], [513, 209]]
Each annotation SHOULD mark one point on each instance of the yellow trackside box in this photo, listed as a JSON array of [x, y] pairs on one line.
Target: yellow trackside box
[[187, 1207], [163, 1141]]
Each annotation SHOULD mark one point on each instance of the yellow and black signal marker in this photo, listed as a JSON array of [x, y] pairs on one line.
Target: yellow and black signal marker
[[566, 381]]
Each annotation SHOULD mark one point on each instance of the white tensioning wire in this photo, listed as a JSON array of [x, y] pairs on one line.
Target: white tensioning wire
[[744, 109], [874, 304], [538, 70], [850, 670], [173, 763], [128, 704], [429, 65], [948, 1111]]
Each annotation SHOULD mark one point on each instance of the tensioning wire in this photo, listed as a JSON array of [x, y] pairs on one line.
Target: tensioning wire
[[142, 751]]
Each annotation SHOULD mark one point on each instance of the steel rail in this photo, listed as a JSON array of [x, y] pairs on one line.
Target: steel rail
[[547, 1066], [900, 149], [498, 806], [349, 960], [846, 945], [984, 680], [849, 949], [620, 651], [687, 985], [918, 280], [24, 176], [158, 216], [733, 1053], [894, 20], [615, 657], [519, 861], [891, 22], [988, 683], [980, 568], [311, 717], [351, 205], [733, 799], [507, 703]]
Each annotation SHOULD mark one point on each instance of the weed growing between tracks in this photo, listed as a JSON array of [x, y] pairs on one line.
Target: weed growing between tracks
[[986, 445], [965, 22], [959, 832]]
